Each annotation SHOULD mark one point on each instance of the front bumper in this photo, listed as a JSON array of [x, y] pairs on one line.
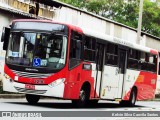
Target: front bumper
[[43, 90]]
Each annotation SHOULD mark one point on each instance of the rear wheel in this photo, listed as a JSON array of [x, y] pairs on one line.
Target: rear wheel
[[32, 99], [132, 100], [83, 98]]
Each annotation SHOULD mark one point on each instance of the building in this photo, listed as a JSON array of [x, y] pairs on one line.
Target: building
[[58, 11]]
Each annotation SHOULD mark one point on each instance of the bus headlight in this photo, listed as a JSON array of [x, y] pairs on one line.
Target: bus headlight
[[56, 82], [6, 76]]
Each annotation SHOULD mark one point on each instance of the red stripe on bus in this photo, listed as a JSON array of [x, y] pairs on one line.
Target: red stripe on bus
[[154, 52]]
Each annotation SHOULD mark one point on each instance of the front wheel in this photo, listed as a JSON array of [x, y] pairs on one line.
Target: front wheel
[[92, 103], [83, 98], [32, 99]]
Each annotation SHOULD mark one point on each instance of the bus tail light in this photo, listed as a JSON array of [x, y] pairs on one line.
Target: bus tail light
[[56, 82]]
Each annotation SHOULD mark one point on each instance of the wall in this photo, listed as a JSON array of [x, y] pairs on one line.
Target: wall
[[5, 20], [82, 19], [152, 43]]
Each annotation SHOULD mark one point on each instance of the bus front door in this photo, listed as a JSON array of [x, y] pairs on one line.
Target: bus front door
[[122, 64]]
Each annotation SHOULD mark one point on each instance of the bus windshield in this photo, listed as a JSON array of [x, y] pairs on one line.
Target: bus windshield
[[37, 49]]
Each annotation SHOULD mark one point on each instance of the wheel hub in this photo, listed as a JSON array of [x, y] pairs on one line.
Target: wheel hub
[[82, 95]]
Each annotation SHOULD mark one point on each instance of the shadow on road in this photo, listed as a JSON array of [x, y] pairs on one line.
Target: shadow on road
[[70, 106]]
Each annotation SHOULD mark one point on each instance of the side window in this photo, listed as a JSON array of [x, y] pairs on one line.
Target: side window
[[89, 48], [111, 57], [152, 64], [148, 62], [75, 49], [144, 58], [133, 58]]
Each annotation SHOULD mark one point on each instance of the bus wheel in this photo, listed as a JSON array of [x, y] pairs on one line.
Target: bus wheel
[[32, 99], [132, 100], [93, 102], [83, 98]]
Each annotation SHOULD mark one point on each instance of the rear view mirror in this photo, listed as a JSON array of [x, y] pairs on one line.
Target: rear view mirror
[[5, 37]]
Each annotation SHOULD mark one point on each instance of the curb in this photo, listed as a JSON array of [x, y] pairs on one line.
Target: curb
[[17, 96], [12, 96], [157, 96], [156, 99]]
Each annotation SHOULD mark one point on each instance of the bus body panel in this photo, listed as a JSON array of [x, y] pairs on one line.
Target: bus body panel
[[110, 82], [69, 89], [145, 83]]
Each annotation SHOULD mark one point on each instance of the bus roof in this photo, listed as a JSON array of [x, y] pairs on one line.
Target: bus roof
[[96, 34], [118, 41]]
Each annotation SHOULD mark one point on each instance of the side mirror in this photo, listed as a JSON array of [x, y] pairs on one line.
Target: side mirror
[[5, 37]]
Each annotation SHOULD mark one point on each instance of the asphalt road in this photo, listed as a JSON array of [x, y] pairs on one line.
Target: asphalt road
[[52, 105], [65, 105]]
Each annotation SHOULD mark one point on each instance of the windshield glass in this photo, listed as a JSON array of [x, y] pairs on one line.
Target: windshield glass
[[37, 49]]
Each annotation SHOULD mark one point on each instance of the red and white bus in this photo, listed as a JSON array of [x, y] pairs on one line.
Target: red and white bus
[[46, 58]]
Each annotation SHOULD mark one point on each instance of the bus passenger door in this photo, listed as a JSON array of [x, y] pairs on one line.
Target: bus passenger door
[[122, 64], [99, 67], [110, 76]]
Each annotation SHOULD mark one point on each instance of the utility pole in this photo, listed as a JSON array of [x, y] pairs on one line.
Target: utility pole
[[140, 22]]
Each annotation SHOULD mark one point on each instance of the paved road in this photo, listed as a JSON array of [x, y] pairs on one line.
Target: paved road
[[65, 105], [61, 105]]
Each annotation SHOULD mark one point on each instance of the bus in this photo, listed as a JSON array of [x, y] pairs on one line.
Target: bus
[[157, 93], [59, 60]]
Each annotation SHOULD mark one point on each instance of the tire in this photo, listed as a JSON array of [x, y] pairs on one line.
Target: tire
[[132, 100], [92, 103], [32, 99], [83, 98]]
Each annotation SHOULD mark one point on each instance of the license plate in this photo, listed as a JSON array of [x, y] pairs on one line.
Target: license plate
[[32, 87]]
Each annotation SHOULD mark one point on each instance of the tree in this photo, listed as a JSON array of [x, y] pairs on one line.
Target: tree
[[151, 18], [76, 3], [124, 12]]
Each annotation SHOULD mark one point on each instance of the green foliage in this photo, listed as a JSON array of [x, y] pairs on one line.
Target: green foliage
[[76, 3], [124, 12], [96, 6], [151, 18]]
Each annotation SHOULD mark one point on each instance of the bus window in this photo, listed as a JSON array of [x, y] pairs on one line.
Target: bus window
[[15, 43], [152, 63], [89, 48], [75, 49], [143, 61], [133, 59], [111, 54]]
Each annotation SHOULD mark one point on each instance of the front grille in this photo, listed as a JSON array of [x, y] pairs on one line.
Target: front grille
[[31, 75], [30, 91]]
